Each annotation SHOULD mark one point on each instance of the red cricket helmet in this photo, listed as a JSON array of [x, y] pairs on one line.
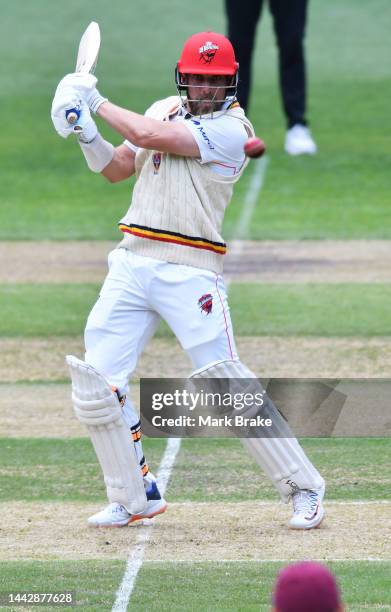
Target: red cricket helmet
[[208, 53]]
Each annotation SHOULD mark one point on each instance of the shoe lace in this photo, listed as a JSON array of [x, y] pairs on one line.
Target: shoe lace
[[304, 500]]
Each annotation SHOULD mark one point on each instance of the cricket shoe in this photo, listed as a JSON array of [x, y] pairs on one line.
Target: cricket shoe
[[299, 141], [116, 515], [308, 511]]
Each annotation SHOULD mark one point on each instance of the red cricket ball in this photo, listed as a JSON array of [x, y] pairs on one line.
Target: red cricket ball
[[254, 147]]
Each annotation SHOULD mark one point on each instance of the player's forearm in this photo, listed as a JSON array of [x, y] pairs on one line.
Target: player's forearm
[[121, 166], [140, 130]]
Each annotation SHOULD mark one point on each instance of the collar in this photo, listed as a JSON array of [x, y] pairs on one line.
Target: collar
[[230, 102]]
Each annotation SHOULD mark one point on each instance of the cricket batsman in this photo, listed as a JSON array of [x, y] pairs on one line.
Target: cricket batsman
[[187, 153]]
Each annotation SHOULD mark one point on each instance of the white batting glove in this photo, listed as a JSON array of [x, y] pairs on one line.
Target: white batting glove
[[64, 100], [85, 127], [85, 84]]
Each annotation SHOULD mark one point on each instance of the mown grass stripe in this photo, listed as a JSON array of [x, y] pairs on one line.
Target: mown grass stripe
[[233, 586], [180, 586], [92, 581], [281, 309], [66, 470]]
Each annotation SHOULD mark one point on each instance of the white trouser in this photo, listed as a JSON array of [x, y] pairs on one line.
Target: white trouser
[[137, 292]]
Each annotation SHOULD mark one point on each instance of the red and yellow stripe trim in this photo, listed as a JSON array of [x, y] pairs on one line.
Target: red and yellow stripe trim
[[141, 231]]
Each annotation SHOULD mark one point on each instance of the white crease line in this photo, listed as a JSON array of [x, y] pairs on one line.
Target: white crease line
[[135, 559], [360, 502], [271, 503], [286, 560]]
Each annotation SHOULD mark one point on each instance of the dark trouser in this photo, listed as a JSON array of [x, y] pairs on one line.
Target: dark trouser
[[289, 18]]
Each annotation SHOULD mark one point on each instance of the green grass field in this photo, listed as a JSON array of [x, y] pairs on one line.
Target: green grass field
[[224, 538], [343, 192], [53, 470], [219, 588], [258, 310]]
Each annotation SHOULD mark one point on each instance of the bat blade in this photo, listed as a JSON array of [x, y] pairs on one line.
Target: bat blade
[[88, 52], [87, 57]]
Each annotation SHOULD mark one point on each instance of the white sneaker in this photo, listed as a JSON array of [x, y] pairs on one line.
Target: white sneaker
[[299, 141], [116, 515], [308, 511]]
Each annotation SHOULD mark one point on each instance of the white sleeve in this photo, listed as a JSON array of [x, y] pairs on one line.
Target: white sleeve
[[220, 141], [131, 146]]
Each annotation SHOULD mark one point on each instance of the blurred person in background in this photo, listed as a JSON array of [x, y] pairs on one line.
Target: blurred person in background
[[289, 19]]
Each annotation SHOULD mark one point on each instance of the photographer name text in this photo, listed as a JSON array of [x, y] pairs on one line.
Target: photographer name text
[[209, 421]]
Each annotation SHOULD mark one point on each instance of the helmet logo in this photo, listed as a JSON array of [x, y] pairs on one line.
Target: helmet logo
[[207, 52]]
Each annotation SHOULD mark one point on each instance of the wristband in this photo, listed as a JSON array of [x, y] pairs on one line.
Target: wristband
[[98, 153], [95, 99]]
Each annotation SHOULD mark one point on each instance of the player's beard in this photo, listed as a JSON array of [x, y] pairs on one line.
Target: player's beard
[[206, 106]]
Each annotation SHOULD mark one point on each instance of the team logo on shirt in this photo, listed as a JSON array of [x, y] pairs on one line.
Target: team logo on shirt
[[206, 303], [207, 52], [157, 160]]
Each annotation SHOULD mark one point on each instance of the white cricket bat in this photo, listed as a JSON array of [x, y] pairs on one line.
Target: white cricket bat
[[87, 57]]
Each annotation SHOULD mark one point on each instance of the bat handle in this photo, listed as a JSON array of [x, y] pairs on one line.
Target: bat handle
[[72, 115]]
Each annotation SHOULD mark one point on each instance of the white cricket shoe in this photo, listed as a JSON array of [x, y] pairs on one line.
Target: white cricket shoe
[[116, 515], [299, 141], [308, 511]]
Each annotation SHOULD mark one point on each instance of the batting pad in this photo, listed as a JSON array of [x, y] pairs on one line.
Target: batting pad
[[97, 406], [276, 451]]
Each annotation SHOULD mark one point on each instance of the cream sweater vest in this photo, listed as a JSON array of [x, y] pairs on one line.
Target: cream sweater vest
[[178, 204]]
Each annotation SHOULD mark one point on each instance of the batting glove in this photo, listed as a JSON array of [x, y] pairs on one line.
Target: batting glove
[[85, 126], [64, 100], [85, 84]]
